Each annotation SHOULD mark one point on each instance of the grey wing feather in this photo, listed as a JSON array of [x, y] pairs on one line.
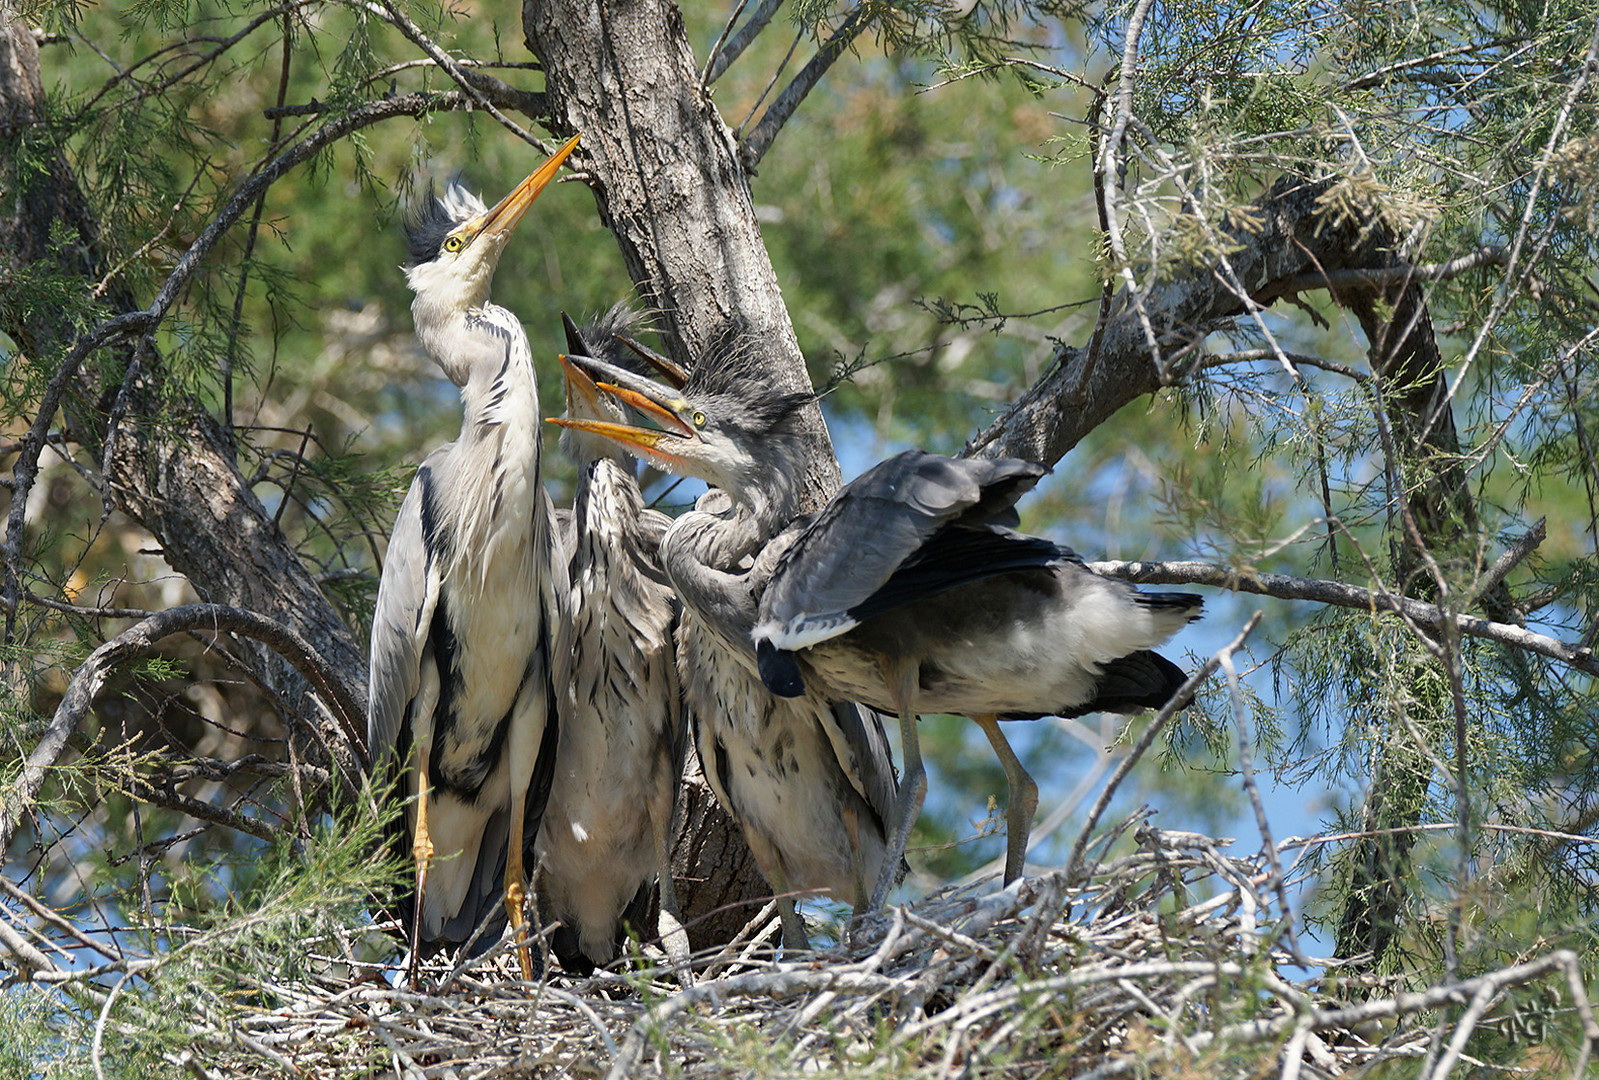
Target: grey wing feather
[[861, 746], [408, 592], [870, 527]]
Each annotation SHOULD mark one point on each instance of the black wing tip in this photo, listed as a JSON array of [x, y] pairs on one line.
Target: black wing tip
[[1180, 601], [1139, 680], [779, 669]]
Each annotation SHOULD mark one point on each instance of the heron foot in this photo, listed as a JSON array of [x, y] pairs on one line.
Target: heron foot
[[515, 895], [912, 792], [674, 939], [794, 937]]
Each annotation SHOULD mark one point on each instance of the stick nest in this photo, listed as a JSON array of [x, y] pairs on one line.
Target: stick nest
[[1167, 961]]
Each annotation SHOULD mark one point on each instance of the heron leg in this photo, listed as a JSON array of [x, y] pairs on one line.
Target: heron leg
[[422, 855], [1020, 802], [902, 678], [516, 882], [526, 735], [794, 937], [669, 923], [852, 830]]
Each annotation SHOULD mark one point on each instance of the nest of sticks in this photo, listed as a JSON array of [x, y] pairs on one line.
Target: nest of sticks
[[1166, 961]]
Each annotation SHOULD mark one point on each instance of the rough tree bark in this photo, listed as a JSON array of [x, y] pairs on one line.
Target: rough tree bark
[[666, 175], [668, 180]]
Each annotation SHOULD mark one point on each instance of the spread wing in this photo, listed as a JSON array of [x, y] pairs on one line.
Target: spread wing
[[878, 524]]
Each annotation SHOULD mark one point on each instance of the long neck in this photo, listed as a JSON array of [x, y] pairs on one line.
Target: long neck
[[501, 387], [704, 554], [496, 479]]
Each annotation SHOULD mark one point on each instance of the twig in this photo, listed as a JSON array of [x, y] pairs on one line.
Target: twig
[[722, 55], [474, 83], [780, 983], [1111, 154], [1338, 594], [1179, 701], [1246, 767], [778, 112], [1398, 274], [1512, 557]]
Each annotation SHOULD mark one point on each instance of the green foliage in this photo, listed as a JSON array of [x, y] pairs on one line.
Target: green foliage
[[201, 964], [931, 213]]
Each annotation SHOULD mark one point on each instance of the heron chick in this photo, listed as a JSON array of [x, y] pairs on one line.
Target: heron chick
[[607, 828], [809, 777], [469, 656], [910, 591]]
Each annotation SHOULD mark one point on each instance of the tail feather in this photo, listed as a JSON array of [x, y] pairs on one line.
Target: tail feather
[[1139, 680]]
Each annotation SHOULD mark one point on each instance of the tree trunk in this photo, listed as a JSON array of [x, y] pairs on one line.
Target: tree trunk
[[667, 178]]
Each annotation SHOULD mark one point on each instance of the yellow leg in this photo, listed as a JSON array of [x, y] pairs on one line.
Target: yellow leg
[[515, 883], [1020, 802], [422, 855]]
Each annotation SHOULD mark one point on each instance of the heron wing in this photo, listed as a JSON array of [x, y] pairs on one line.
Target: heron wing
[[408, 592], [875, 525], [861, 746], [959, 555]]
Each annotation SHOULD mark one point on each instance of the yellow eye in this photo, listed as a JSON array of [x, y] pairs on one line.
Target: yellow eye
[[454, 243], [699, 419]]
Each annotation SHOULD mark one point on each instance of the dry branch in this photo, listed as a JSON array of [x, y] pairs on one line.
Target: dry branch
[[1143, 976], [139, 639], [1338, 594]]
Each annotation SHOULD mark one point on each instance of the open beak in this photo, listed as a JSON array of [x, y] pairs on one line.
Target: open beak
[[498, 222], [576, 346], [582, 395], [668, 445], [674, 375]]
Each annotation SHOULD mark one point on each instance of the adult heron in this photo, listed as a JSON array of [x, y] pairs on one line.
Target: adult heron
[[910, 591], [469, 654], [607, 828], [808, 777]]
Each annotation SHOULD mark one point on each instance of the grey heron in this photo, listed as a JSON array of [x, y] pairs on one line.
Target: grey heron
[[808, 777], [468, 653], [909, 591], [607, 828]]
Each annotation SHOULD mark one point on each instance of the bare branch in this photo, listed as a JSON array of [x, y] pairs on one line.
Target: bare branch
[[1398, 274], [730, 46], [777, 114], [1509, 560], [1337, 594]]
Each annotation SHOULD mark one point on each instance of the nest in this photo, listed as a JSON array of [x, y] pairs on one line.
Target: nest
[[1173, 959]]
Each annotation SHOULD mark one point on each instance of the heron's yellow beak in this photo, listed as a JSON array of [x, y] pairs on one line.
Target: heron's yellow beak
[[668, 445], [582, 395], [497, 223]]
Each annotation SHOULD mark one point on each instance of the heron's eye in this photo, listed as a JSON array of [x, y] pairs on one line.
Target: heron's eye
[[454, 243], [699, 418]]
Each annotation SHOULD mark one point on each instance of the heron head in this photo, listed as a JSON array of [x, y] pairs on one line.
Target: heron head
[[455, 244], [606, 338], [726, 425]]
